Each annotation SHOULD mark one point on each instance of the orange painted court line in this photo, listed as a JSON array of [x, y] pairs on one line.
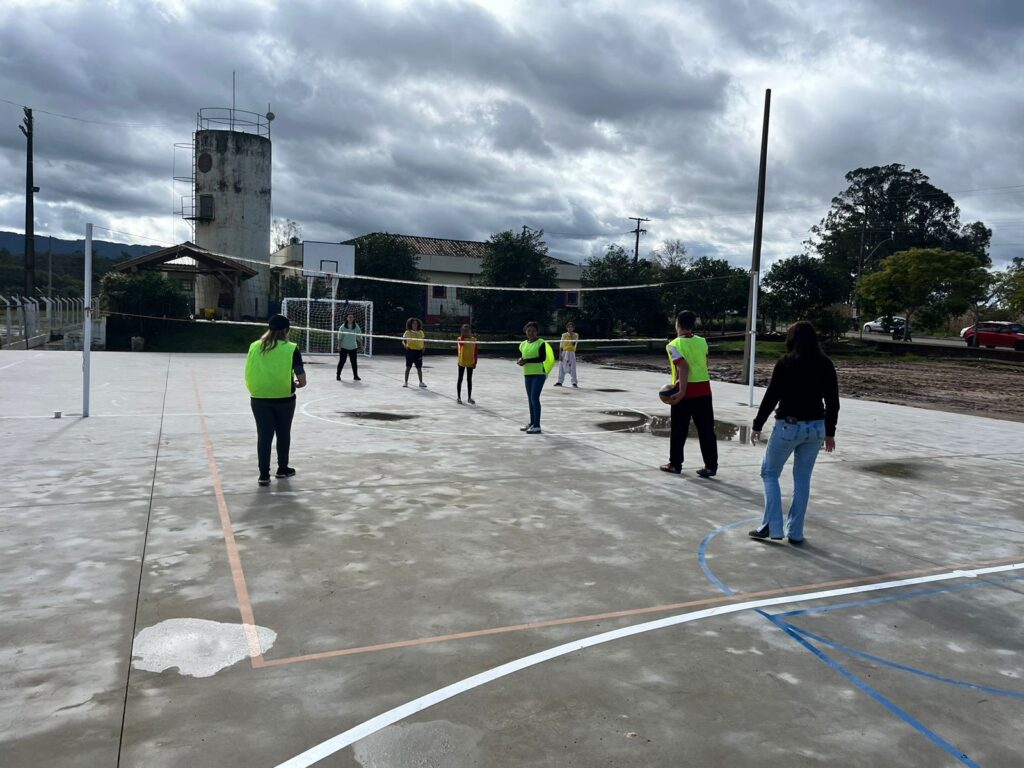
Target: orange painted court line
[[252, 638], [720, 599]]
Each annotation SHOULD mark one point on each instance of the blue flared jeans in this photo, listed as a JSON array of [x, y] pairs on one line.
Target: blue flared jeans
[[534, 384], [802, 440]]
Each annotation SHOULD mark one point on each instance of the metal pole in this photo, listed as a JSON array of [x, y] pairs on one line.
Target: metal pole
[[30, 193], [49, 267], [87, 321], [750, 347], [309, 308]]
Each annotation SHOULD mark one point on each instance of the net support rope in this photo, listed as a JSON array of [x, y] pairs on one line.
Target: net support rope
[[429, 339]]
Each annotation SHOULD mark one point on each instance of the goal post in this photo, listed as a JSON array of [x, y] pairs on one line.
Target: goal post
[[321, 319]]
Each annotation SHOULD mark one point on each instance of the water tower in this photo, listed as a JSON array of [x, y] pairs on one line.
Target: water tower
[[230, 209]]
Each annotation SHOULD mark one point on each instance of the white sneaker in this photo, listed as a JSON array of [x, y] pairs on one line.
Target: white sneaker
[[422, 385], [533, 431]]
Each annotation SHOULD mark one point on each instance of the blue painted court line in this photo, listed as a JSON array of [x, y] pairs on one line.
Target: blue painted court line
[[821, 655], [903, 667], [895, 598], [895, 709]]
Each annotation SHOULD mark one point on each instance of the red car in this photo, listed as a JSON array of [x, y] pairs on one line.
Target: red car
[[995, 333]]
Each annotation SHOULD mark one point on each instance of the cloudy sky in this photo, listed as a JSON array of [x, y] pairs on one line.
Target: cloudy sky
[[462, 118]]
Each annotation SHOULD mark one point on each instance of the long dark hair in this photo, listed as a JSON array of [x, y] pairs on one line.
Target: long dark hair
[[410, 321], [802, 342], [347, 316]]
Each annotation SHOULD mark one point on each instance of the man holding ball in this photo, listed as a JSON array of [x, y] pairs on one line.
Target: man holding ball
[[689, 395]]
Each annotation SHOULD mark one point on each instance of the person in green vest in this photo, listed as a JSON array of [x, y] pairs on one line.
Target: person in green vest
[[536, 358], [269, 366], [688, 357]]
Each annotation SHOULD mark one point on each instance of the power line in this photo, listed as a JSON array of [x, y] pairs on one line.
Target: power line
[[90, 121]]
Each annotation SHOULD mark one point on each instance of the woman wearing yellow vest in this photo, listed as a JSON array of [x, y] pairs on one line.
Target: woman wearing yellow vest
[[468, 354], [688, 356], [413, 342], [536, 359], [268, 377]]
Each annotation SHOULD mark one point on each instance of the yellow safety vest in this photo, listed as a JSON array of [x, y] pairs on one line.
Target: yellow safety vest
[[694, 350], [269, 374], [537, 348], [569, 342]]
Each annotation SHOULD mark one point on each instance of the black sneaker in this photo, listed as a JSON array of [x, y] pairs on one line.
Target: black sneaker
[[706, 472], [557, 384], [796, 542], [762, 533], [284, 472], [356, 378], [264, 480]]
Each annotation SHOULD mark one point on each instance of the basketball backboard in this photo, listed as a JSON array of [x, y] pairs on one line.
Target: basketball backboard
[[326, 259]]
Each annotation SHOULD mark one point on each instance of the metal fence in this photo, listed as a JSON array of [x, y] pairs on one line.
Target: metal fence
[[29, 323]]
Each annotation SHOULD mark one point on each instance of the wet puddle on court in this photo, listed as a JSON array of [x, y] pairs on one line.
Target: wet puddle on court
[[660, 426], [899, 469], [377, 415]]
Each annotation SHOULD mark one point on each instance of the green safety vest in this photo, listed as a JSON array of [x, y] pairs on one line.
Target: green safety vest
[[529, 349], [694, 350], [269, 375]]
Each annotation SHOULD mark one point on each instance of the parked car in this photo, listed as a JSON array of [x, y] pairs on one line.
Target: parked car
[[884, 324], [996, 333]]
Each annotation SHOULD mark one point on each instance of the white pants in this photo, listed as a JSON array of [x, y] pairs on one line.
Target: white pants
[[567, 363]]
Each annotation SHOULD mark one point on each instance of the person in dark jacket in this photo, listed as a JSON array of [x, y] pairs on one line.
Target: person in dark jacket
[[805, 388]]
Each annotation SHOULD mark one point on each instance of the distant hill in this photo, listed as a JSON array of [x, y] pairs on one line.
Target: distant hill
[[15, 244]]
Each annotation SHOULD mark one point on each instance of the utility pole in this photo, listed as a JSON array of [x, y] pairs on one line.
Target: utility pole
[[638, 232], [750, 344], [30, 191], [49, 267]]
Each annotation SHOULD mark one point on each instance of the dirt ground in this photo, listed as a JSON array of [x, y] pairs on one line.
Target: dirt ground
[[980, 388]]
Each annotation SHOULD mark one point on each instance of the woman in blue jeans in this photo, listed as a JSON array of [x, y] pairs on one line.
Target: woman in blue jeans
[[533, 359], [805, 388]]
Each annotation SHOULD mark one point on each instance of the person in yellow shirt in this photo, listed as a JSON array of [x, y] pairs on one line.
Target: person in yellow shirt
[[469, 353], [413, 342], [567, 355]]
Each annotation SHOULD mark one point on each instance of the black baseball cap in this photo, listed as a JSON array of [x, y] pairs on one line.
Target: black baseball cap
[[279, 323]]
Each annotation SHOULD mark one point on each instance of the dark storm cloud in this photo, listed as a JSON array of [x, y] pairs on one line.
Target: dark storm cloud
[[460, 119]]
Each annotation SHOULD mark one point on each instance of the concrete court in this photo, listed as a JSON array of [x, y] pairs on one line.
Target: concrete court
[[453, 522]]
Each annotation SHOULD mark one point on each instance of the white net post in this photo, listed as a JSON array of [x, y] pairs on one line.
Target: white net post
[[334, 303]]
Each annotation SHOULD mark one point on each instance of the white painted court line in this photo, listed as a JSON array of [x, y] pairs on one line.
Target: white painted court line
[[337, 743]]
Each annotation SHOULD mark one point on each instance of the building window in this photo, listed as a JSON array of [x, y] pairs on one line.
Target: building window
[[439, 292], [572, 299], [186, 286], [206, 208], [458, 294]]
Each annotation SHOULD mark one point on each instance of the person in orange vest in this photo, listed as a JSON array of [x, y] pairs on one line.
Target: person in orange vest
[[688, 356], [269, 366]]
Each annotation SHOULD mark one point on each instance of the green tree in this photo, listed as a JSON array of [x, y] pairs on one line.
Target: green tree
[[384, 255], [1009, 287], [803, 288], [285, 232], [886, 209], [713, 289], [632, 311], [930, 283], [520, 260], [142, 297]]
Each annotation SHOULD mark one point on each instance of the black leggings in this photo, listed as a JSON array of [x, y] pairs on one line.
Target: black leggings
[[273, 417], [351, 355], [469, 382]]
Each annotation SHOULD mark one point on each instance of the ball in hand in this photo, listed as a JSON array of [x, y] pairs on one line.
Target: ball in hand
[[668, 392]]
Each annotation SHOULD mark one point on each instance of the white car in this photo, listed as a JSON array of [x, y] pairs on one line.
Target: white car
[[884, 324]]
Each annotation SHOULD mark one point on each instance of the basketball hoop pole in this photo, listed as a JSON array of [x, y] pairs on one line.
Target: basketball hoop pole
[[334, 301]]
